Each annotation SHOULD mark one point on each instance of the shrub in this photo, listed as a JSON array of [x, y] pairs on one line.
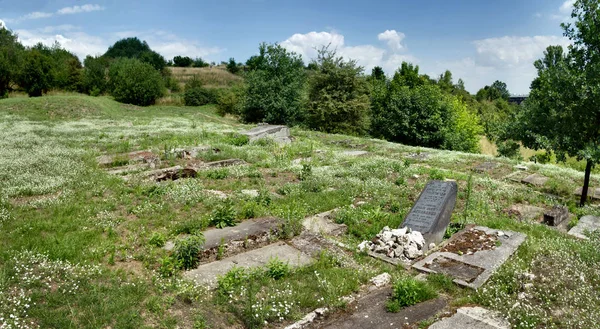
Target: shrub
[[232, 66], [168, 266], [230, 101], [187, 250], [198, 97], [134, 82], [409, 291], [181, 61], [224, 215], [274, 89], [237, 139], [94, 75], [509, 149]]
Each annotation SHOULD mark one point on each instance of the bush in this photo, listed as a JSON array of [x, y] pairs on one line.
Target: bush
[[134, 82], [409, 291], [157, 240], [274, 89], [198, 97], [230, 101], [187, 250], [181, 61], [232, 66], [277, 269], [509, 149], [94, 75]]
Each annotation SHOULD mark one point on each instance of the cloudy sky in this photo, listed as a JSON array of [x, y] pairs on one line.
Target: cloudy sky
[[479, 41]]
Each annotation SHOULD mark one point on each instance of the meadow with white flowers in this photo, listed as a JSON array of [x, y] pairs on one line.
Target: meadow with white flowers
[[81, 248]]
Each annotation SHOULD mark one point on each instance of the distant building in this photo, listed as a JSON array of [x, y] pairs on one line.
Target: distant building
[[517, 99]]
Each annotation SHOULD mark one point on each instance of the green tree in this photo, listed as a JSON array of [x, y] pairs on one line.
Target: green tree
[[135, 48], [338, 100], [37, 74], [232, 66], [274, 88], [497, 90], [134, 82], [377, 73], [408, 75], [11, 54], [562, 113], [95, 75], [199, 62], [181, 61]]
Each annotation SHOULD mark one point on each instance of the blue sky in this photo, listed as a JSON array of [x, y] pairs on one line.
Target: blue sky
[[479, 41]]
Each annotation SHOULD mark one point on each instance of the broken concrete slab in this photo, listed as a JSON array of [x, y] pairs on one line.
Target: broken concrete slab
[[472, 318], [521, 167], [280, 134], [240, 232], [125, 170], [224, 163], [323, 224], [147, 157], [585, 224], [207, 274], [474, 269], [370, 312], [485, 167], [556, 215], [172, 173], [525, 212], [535, 180]]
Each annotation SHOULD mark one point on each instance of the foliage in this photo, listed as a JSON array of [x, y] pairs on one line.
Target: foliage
[[135, 48], [497, 90], [409, 291], [277, 269], [95, 80], [232, 66], [157, 240], [198, 96], [509, 149], [229, 100], [66, 67], [134, 82], [338, 100], [37, 74], [224, 215], [11, 53], [274, 88], [199, 62], [181, 61], [187, 250]]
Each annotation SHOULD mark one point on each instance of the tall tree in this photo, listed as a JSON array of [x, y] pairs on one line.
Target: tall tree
[[11, 53]]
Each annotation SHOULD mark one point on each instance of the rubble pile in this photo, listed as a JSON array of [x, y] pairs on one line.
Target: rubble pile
[[402, 243]]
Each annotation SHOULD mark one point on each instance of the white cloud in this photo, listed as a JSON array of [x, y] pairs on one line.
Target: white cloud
[[37, 15], [79, 9], [567, 7], [2, 24], [58, 28], [80, 43], [393, 39], [367, 56], [509, 59]]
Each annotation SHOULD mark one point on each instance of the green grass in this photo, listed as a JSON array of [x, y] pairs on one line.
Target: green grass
[[63, 218]]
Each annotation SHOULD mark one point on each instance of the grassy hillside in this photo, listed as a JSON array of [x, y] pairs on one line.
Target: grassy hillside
[[215, 77], [78, 245]]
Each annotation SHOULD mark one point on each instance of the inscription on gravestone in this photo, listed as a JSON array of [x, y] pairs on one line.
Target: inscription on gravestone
[[431, 213]]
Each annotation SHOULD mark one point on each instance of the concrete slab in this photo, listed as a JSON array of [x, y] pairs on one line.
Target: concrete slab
[[281, 134], [586, 223], [535, 180], [207, 274], [354, 153], [323, 224], [418, 156], [485, 167], [370, 312], [474, 269], [224, 163], [526, 212], [240, 232], [472, 318], [592, 193]]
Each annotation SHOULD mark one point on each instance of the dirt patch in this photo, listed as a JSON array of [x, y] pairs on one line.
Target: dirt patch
[[470, 242]]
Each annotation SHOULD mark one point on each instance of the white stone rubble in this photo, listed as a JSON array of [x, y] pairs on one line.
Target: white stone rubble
[[401, 243]]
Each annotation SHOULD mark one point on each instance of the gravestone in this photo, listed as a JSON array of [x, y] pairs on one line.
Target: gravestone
[[586, 224], [556, 215], [431, 213], [535, 180]]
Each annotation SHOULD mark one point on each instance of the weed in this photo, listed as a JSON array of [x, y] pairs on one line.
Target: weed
[[277, 269], [168, 266], [220, 173], [187, 250], [221, 249], [157, 240], [224, 215], [237, 139], [436, 174], [306, 172], [409, 291]]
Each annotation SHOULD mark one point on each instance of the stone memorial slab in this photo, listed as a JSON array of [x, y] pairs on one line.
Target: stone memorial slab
[[280, 134], [431, 213], [472, 318], [585, 224], [525, 211], [556, 215], [473, 269], [535, 180], [486, 167]]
